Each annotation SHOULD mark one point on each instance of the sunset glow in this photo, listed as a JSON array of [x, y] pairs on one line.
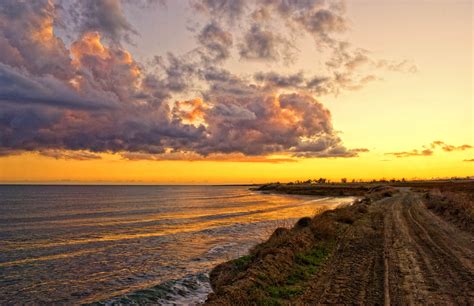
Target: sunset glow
[[189, 92]]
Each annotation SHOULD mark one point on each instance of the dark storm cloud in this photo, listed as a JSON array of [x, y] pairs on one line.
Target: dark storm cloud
[[21, 88], [91, 96], [27, 40], [97, 100], [255, 121]]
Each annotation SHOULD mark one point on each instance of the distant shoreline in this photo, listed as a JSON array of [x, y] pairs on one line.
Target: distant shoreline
[[408, 183]]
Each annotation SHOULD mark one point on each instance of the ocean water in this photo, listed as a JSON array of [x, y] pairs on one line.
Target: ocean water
[[133, 244]]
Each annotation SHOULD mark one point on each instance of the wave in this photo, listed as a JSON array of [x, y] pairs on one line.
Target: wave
[[189, 290]]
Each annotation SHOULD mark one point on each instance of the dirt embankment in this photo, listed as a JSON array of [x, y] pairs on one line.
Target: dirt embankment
[[388, 248], [331, 190]]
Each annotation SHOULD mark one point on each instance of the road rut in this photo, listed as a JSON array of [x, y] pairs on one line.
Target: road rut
[[399, 253]]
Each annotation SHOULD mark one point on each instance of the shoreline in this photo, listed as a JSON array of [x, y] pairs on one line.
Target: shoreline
[[186, 290], [353, 244]]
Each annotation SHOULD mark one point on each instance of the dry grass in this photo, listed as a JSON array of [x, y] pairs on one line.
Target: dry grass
[[279, 269], [457, 207], [334, 190]]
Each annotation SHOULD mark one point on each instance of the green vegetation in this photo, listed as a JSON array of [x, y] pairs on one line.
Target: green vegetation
[[243, 262], [280, 270], [306, 264], [284, 292]]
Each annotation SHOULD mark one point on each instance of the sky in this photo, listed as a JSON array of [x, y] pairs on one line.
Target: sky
[[221, 91]]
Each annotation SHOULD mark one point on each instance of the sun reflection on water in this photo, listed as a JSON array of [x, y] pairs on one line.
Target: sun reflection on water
[[88, 243]]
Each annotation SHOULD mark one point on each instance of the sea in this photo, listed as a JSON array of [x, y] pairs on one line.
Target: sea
[[132, 244]]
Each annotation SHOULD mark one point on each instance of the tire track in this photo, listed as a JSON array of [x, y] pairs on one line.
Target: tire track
[[421, 254], [399, 253]]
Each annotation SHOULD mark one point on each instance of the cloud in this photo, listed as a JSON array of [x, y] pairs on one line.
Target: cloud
[[318, 85], [398, 66], [216, 41], [179, 72], [429, 150], [261, 44], [90, 96], [255, 121], [469, 160], [425, 152], [228, 10], [190, 156], [320, 19], [76, 155], [360, 150], [450, 148], [322, 22], [111, 69], [21, 88], [324, 146], [105, 17], [269, 42], [27, 39], [190, 111], [98, 100], [272, 27], [275, 79]]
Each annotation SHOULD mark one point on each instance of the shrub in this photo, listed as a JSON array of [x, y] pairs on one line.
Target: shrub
[[304, 222], [456, 207]]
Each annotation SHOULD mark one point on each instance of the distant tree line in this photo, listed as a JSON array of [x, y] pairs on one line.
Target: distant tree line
[[344, 180]]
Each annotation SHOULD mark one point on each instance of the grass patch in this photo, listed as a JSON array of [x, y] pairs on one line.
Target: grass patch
[[269, 302], [314, 257], [306, 264], [243, 262], [284, 292]]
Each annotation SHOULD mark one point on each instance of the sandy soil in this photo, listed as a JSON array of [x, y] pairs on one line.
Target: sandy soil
[[399, 253]]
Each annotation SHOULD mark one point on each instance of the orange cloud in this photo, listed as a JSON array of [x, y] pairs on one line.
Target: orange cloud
[[44, 33], [191, 156], [450, 148], [69, 154], [429, 151], [190, 110], [96, 98], [89, 44], [426, 152], [111, 66]]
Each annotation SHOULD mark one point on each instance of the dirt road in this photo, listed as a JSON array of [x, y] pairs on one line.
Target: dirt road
[[399, 253]]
